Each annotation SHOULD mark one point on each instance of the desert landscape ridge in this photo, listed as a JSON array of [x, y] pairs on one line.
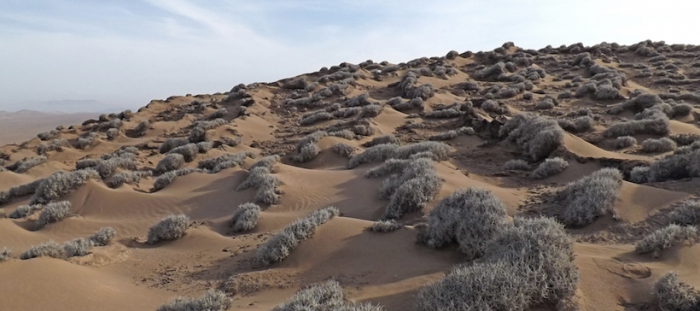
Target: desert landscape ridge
[[564, 178]]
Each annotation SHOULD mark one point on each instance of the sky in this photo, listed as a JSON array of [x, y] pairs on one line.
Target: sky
[[124, 53]]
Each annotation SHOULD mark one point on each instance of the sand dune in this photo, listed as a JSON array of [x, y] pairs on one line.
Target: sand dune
[[464, 107]]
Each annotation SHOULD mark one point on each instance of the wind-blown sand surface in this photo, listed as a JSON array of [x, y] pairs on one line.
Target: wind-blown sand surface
[[386, 269]]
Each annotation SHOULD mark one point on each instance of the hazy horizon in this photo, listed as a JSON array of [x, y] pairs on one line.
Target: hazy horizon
[[127, 53]]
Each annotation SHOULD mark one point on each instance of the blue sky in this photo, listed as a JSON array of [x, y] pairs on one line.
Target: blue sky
[[125, 53]]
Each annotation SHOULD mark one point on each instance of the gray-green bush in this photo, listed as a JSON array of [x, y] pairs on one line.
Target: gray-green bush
[[280, 246], [536, 136], [386, 225], [588, 198], [127, 177], [663, 144], [412, 189], [103, 236], [170, 162], [688, 213], [516, 165], [550, 167], [163, 180], [47, 249], [53, 212], [625, 141], [343, 150], [306, 148], [211, 301], [169, 228], [60, 184], [323, 296], [216, 164], [665, 238], [245, 218], [673, 295], [469, 217]]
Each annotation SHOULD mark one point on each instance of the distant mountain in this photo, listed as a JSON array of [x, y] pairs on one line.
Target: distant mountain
[[70, 106]]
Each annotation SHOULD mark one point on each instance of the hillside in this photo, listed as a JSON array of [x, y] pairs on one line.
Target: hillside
[[527, 132]]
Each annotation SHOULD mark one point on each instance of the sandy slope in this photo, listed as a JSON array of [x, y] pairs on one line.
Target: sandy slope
[[381, 268]]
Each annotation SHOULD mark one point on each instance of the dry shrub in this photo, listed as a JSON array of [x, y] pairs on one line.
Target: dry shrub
[[590, 197], [171, 227], [550, 167], [674, 295], [211, 301], [536, 136], [280, 246], [665, 238], [245, 218]]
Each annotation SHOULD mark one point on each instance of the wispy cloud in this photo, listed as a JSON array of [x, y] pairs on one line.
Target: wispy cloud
[[128, 52]]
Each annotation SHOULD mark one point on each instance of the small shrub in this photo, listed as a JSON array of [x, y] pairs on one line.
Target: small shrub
[[535, 135], [197, 134], [189, 152], [172, 143], [323, 296], [590, 197], [23, 166], [443, 114], [103, 236], [674, 295], [306, 148], [385, 139], [170, 162], [266, 161], [448, 135], [169, 228], [142, 128], [245, 218], [625, 142], [550, 167], [316, 117], [412, 189], [211, 301], [163, 180], [516, 165], [665, 238], [686, 214], [5, 254], [77, 247], [127, 177], [87, 141], [24, 211], [215, 165], [47, 249], [658, 145], [344, 150], [542, 253], [231, 142], [112, 133], [577, 125], [469, 217], [371, 111], [657, 123], [386, 225], [60, 184], [487, 286], [53, 212], [107, 167], [19, 191], [494, 107], [546, 103], [280, 246]]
